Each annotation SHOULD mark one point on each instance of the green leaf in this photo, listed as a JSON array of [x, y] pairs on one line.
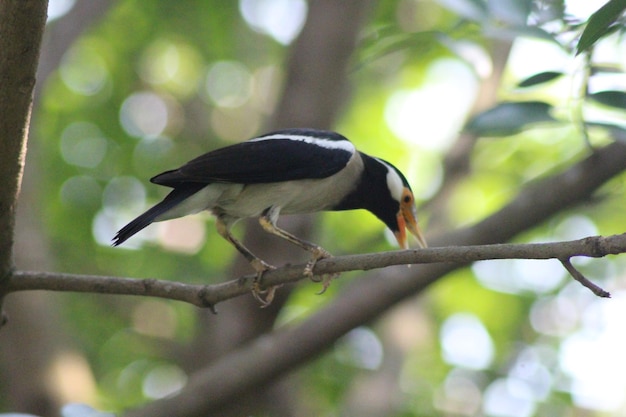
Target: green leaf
[[599, 24], [610, 98], [509, 118], [606, 69], [542, 77]]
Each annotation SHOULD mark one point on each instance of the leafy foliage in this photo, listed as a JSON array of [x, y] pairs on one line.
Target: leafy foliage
[[610, 98], [510, 118], [542, 77]]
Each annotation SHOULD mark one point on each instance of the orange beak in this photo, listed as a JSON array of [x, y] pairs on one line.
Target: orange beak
[[407, 219]]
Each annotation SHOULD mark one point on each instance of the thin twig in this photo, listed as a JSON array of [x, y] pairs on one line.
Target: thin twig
[[578, 276]]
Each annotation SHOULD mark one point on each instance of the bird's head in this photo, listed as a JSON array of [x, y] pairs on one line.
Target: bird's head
[[393, 201], [406, 213]]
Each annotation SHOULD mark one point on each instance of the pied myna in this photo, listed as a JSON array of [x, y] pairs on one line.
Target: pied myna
[[284, 172]]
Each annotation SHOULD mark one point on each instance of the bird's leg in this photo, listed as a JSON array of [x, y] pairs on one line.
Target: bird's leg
[[257, 263], [268, 222]]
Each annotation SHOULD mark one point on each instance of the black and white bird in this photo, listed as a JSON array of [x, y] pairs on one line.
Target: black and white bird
[[284, 172]]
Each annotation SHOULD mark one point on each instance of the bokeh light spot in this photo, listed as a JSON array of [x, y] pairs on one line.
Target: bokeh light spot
[[185, 235], [83, 144], [144, 114], [528, 368], [554, 316], [459, 395], [426, 115], [84, 71], [361, 347], [164, 380], [175, 66], [465, 342], [280, 19], [509, 397], [228, 84], [59, 8], [594, 355], [516, 276], [124, 194]]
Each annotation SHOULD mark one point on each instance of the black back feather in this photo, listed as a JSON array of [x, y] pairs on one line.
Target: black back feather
[[264, 161]]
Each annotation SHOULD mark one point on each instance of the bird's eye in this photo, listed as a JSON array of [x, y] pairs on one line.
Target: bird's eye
[[407, 198]]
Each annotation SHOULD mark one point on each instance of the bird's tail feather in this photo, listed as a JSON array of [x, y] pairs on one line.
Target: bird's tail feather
[[175, 197]]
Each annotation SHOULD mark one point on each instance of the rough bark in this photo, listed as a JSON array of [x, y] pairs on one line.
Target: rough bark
[[21, 30], [35, 338]]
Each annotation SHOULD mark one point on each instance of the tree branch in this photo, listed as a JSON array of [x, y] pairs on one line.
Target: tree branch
[[210, 295]]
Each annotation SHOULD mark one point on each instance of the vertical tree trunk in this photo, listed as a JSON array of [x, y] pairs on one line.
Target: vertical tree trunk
[[35, 340], [22, 24]]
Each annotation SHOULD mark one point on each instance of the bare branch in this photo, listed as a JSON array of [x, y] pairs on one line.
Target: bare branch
[[210, 295], [99, 284]]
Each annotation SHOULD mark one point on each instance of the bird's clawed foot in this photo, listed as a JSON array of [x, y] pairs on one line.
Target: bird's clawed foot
[[326, 279], [265, 297], [319, 253]]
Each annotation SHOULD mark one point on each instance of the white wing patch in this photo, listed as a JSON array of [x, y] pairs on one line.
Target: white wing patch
[[323, 143]]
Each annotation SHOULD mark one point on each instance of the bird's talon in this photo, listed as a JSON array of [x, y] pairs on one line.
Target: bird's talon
[[326, 280], [318, 253], [322, 253], [316, 278], [265, 297], [269, 295]]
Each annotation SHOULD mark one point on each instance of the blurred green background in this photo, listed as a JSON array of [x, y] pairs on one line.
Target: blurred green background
[[151, 84]]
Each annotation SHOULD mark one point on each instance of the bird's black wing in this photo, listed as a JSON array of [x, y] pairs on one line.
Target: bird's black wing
[[279, 156]]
